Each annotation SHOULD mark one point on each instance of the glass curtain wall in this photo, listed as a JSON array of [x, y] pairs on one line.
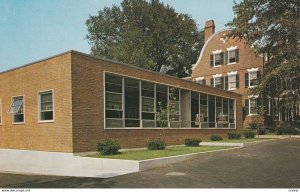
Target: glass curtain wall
[[132, 103]]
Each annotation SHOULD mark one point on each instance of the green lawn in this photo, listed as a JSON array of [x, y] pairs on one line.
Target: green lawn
[[151, 154], [241, 140]]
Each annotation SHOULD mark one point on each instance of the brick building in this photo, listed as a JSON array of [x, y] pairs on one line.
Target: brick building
[[67, 102], [229, 64]]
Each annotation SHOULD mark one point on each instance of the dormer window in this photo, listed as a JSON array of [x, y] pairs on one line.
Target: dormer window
[[217, 58], [232, 55]]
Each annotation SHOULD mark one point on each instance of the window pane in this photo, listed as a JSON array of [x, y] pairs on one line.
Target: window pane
[[131, 99], [211, 111], [232, 81], [16, 106], [161, 102], [252, 78], [149, 116], [132, 123], [113, 114], [147, 124], [48, 115], [195, 109], [203, 108], [231, 112], [114, 123], [113, 101], [18, 118], [147, 89], [232, 56], [113, 83], [217, 59], [46, 97], [147, 104]]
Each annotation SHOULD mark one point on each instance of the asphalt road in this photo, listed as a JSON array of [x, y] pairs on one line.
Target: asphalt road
[[272, 164]]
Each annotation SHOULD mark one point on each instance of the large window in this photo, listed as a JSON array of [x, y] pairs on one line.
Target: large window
[[133, 103], [17, 109], [46, 106]]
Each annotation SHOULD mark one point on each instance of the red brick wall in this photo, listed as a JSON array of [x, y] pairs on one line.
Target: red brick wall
[[247, 60], [88, 108], [53, 73]]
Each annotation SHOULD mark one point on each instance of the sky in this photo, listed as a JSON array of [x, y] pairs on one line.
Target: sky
[[31, 30]]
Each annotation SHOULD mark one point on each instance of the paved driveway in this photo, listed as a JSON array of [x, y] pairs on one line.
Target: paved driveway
[[266, 165]]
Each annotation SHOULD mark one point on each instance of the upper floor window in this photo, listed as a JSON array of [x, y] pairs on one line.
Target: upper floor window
[[232, 55], [232, 81], [217, 81], [17, 109], [217, 58], [252, 77], [46, 106]]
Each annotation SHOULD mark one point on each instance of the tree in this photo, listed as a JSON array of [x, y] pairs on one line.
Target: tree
[[147, 34], [272, 29]]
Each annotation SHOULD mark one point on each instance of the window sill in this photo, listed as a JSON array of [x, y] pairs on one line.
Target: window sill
[[232, 89], [21, 123], [217, 66], [50, 121], [252, 86], [252, 115], [232, 63]]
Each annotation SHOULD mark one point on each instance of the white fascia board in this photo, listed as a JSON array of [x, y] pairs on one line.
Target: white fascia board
[[252, 70], [217, 75], [232, 73], [217, 51], [232, 48], [199, 78]]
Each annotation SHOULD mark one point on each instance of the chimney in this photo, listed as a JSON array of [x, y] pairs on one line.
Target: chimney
[[209, 29]]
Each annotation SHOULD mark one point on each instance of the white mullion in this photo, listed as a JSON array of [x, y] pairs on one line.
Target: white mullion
[[140, 102], [123, 102], [155, 123]]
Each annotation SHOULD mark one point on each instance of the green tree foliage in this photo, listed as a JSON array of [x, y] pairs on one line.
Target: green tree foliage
[[272, 29], [147, 34]]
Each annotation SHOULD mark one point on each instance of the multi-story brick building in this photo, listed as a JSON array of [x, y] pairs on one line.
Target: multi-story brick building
[[67, 102], [228, 63]]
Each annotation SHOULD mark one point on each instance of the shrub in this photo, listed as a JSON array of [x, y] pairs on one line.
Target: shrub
[[234, 135], [271, 129], [156, 144], [287, 131], [192, 142], [262, 131], [249, 134], [108, 147], [216, 138]]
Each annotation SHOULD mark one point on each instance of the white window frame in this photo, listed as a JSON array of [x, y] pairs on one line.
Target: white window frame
[[252, 70], [229, 50], [39, 106], [231, 74], [215, 77], [200, 80], [216, 52], [23, 104], [252, 97]]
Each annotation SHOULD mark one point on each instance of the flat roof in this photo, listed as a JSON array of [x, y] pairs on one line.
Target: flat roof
[[108, 60]]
